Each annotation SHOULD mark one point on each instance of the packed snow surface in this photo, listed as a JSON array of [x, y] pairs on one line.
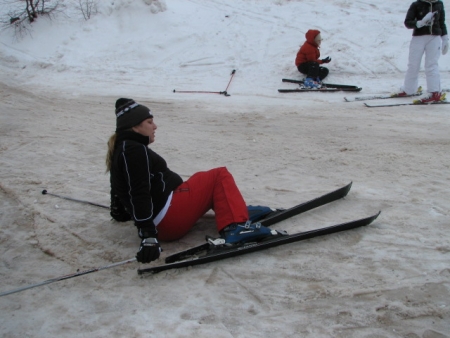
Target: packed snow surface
[[59, 80]]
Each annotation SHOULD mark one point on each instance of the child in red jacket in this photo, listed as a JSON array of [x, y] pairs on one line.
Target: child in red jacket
[[308, 62]]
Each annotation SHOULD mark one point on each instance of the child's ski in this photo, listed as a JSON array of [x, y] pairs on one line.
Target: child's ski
[[328, 85], [322, 90]]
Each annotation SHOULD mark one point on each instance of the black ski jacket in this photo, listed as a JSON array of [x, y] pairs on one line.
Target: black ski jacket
[[418, 10], [140, 180]]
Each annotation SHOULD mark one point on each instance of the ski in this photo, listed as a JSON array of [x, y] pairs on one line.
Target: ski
[[225, 252], [378, 97], [323, 89], [278, 216], [329, 85], [383, 97], [403, 104]]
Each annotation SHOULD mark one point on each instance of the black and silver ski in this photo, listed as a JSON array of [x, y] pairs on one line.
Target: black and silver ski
[[208, 252], [212, 255], [328, 85], [278, 216]]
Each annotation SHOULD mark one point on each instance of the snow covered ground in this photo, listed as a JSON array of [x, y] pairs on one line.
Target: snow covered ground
[[58, 88]]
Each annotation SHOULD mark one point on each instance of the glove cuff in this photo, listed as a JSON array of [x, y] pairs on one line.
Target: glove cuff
[[149, 241], [147, 232]]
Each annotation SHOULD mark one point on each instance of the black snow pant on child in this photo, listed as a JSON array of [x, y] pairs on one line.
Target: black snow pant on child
[[313, 70]]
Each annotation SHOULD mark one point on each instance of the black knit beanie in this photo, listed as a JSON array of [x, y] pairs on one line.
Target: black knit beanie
[[130, 114]]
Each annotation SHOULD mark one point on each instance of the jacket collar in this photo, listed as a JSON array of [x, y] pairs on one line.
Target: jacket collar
[[132, 136]]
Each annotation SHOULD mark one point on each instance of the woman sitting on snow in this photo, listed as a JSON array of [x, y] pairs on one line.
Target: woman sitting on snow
[[308, 62], [162, 206]]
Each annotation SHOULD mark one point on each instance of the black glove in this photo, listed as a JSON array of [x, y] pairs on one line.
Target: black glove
[[120, 216], [149, 250], [326, 60], [118, 211]]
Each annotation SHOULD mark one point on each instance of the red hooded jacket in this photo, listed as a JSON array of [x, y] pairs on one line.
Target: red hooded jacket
[[309, 51]]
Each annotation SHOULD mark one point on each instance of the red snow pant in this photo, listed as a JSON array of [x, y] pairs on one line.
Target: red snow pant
[[214, 189]]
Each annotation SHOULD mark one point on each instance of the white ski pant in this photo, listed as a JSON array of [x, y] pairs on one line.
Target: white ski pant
[[431, 46]]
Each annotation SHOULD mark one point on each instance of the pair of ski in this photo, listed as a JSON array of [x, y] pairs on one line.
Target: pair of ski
[[393, 96], [381, 97], [209, 252], [368, 105], [326, 87]]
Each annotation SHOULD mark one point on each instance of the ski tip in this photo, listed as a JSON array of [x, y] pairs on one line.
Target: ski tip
[[347, 188], [374, 217], [370, 219]]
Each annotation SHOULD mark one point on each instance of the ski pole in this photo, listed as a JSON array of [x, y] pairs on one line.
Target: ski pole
[[45, 192], [200, 91], [232, 74], [57, 279]]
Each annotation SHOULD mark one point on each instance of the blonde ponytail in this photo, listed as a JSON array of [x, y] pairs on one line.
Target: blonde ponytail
[[109, 155]]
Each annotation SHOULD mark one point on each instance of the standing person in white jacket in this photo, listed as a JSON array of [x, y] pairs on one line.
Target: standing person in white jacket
[[427, 19]]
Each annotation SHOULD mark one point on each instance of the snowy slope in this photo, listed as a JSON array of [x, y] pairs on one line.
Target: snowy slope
[[131, 48], [58, 87]]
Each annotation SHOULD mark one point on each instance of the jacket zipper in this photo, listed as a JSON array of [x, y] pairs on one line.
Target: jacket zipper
[[432, 21]]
